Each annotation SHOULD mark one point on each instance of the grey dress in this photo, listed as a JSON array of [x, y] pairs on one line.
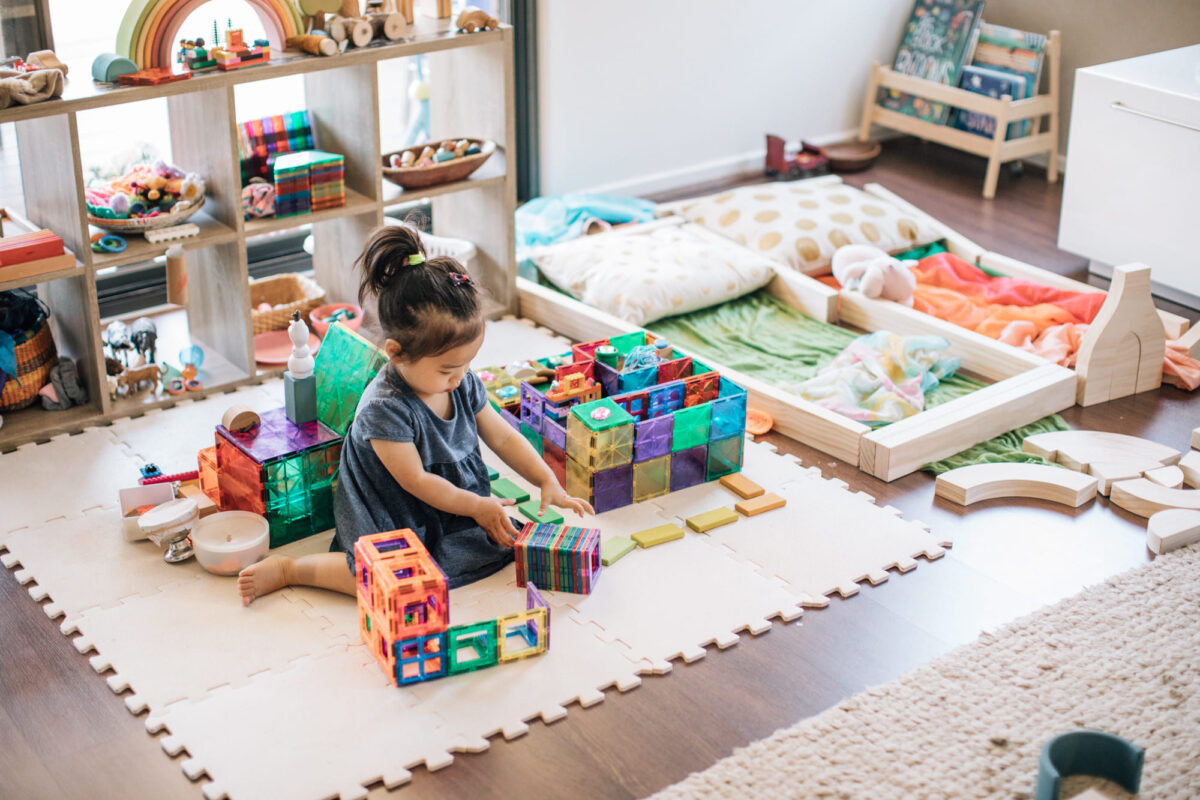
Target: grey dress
[[369, 500]]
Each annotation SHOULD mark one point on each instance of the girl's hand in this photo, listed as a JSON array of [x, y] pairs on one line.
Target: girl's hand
[[555, 495], [491, 516]]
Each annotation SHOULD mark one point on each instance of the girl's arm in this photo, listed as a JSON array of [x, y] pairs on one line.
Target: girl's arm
[[519, 454], [404, 463]]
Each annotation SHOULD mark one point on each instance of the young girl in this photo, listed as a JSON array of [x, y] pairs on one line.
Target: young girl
[[411, 457]]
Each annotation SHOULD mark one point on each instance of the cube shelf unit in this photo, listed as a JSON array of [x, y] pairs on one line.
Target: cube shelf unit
[[471, 94]]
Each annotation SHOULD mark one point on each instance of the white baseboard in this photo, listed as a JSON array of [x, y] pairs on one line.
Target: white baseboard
[[734, 166]]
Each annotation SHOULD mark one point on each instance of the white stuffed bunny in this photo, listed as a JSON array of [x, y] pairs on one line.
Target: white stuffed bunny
[[874, 273]]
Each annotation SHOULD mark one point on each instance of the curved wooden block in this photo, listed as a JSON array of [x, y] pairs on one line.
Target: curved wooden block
[[1144, 498], [1109, 472], [1170, 477], [1171, 529], [1190, 466], [1121, 353], [1077, 449], [967, 485]]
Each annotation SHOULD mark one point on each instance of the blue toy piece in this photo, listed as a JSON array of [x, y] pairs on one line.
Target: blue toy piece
[[107, 67], [151, 471], [1084, 752]]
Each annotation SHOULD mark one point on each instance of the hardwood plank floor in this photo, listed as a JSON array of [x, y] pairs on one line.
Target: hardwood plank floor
[[64, 734]]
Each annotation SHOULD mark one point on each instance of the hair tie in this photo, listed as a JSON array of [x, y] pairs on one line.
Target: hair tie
[[459, 278], [415, 259]]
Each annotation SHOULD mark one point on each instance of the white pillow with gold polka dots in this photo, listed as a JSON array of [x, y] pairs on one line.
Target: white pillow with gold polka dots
[[641, 277], [802, 225]]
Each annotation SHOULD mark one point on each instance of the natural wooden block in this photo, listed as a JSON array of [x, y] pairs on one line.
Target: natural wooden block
[[712, 519], [1196, 437], [530, 509], [1190, 466], [653, 536], [616, 548], [1145, 498], [1122, 352], [1170, 477], [1171, 529], [967, 485], [742, 486], [507, 490], [204, 503], [757, 505]]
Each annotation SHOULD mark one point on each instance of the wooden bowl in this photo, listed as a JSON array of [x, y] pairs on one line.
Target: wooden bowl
[[142, 224], [453, 170], [851, 156]]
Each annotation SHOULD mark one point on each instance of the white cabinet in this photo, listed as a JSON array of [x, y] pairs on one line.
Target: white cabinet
[[1132, 191]]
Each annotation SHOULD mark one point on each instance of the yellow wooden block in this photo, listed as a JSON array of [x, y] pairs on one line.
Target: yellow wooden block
[[712, 519], [758, 505], [742, 486], [659, 535]]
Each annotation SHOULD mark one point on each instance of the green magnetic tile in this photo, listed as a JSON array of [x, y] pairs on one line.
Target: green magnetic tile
[[507, 490], [614, 549], [530, 508], [617, 415]]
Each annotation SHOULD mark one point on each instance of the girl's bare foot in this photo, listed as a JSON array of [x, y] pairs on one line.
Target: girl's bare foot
[[256, 580]]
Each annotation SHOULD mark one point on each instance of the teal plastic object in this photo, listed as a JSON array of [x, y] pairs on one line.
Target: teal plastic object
[[1095, 753], [107, 67], [546, 220]]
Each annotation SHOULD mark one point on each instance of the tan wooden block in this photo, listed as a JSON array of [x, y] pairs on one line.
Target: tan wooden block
[[659, 535], [1171, 529], [757, 505], [742, 486], [712, 519], [204, 503], [1170, 477]]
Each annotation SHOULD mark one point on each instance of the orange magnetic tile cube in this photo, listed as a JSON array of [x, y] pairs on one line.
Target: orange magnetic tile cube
[[380, 547], [206, 461], [410, 597]]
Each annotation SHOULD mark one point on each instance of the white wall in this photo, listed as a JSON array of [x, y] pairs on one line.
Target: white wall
[[638, 96]]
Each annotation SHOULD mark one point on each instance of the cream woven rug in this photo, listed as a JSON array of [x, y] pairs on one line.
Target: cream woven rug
[[1122, 656]]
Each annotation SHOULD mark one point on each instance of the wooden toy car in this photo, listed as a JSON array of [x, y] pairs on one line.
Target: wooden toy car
[[807, 163], [472, 19]]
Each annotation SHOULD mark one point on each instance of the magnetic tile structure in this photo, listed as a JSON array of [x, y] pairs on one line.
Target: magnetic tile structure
[[283, 471], [626, 419], [404, 615], [561, 558]]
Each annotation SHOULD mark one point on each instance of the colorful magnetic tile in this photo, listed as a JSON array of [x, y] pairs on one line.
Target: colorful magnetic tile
[[768, 502], [724, 457], [688, 467], [421, 658], [690, 427], [277, 436], [728, 414], [530, 509], [535, 599], [616, 548], [711, 519], [594, 418], [522, 634], [659, 535], [742, 486], [652, 438], [555, 458], [507, 490], [651, 478], [558, 557], [345, 364], [612, 488], [471, 647], [533, 437]]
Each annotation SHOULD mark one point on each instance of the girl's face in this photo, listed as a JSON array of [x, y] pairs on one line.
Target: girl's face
[[438, 374]]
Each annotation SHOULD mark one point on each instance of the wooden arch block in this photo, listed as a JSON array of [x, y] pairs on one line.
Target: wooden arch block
[[1122, 351]]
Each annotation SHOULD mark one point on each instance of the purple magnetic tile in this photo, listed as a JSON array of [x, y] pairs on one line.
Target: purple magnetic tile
[[534, 599], [666, 398], [610, 379], [554, 432], [613, 497], [688, 467], [532, 403], [652, 438], [615, 478], [276, 436], [511, 418]]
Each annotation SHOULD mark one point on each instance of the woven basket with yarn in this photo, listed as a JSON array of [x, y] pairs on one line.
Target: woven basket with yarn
[[285, 293], [36, 356]]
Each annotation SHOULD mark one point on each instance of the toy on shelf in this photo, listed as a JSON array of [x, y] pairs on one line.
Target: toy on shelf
[[108, 243], [233, 54], [561, 558], [404, 615], [435, 163], [615, 435], [308, 181], [149, 33], [315, 44], [348, 314], [349, 27], [145, 197], [34, 252], [109, 67], [804, 163], [472, 19], [153, 76], [258, 199], [183, 231], [143, 338]]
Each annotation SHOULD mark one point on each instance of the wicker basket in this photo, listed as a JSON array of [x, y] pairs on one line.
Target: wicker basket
[[36, 356], [286, 293]]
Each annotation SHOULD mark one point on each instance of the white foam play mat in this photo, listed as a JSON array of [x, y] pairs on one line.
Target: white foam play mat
[[265, 698]]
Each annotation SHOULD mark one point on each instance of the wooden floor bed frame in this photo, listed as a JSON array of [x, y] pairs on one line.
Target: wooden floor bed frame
[[1024, 387]]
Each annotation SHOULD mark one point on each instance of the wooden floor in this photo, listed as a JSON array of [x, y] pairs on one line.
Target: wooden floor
[[64, 734]]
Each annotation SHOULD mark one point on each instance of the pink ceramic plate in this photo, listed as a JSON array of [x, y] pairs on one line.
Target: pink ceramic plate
[[274, 347]]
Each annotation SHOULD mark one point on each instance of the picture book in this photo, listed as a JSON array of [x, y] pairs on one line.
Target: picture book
[[937, 42], [1015, 52], [992, 83]]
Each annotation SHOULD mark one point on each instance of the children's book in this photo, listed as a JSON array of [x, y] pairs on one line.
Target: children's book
[[937, 42], [1015, 52], [992, 83]]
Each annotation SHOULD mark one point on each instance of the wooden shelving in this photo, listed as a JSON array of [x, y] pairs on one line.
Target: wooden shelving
[[471, 95]]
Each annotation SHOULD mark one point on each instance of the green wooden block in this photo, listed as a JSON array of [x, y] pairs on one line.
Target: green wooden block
[[507, 490], [712, 519], [614, 549], [493, 473], [530, 508], [663, 533]]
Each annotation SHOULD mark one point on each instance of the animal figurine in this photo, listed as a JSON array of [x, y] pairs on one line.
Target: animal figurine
[[116, 336], [144, 336], [472, 19], [874, 273], [132, 380]]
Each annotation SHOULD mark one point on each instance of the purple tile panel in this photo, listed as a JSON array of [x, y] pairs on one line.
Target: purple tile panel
[[688, 467], [276, 436]]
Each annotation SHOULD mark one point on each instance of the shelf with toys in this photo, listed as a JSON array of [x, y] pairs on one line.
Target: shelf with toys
[[470, 78]]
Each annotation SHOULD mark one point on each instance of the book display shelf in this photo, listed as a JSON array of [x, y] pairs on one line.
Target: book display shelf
[[471, 94], [996, 149]]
